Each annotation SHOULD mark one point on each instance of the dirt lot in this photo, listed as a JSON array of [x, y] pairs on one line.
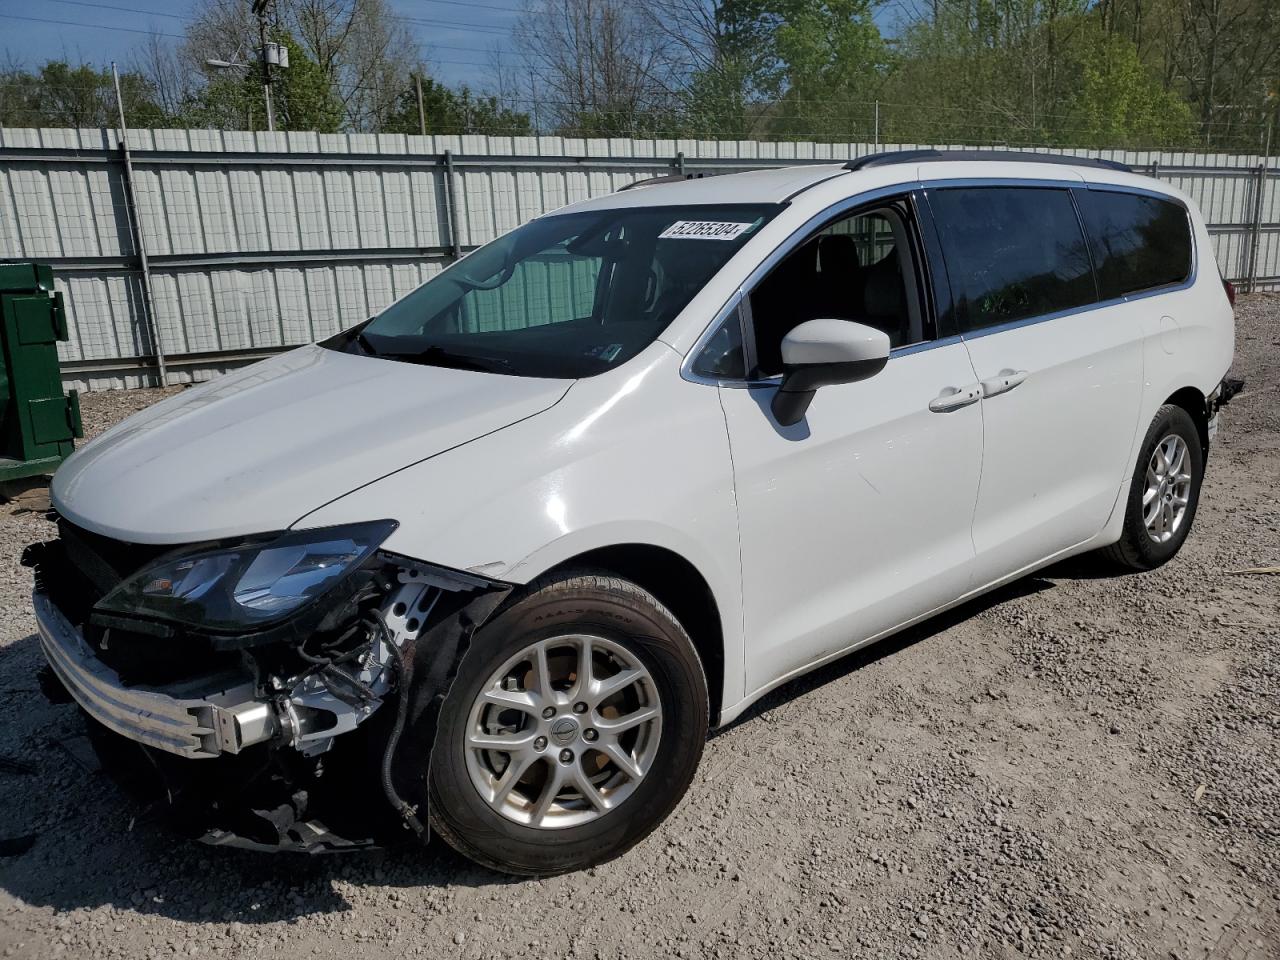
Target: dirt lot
[[1074, 766]]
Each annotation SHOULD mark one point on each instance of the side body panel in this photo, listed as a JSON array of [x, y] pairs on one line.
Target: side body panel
[[1056, 447], [1194, 338], [633, 456], [857, 518]]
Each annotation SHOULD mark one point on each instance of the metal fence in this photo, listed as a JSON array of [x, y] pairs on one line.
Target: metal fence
[[222, 247]]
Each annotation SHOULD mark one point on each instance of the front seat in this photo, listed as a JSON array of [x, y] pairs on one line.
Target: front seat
[[841, 276], [884, 303]]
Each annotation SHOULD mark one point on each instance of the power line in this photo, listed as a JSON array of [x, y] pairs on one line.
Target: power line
[[481, 6], [92, 26], [179, 16], [460, 24], [108, 6], [184, 19], [178, 36]]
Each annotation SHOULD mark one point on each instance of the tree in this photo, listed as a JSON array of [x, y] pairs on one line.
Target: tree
[[62, 95], [303, 96], [825, 62], [454, 112], [1025, 72], [364, 53], [1119, 102], [599, 68]]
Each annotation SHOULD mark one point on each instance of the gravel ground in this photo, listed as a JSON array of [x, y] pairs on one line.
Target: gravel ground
[[1072, 766]]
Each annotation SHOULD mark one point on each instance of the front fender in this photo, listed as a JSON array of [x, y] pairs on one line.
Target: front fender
[[634, 456]]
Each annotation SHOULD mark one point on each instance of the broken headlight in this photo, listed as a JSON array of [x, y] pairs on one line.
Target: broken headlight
[[250, 585]]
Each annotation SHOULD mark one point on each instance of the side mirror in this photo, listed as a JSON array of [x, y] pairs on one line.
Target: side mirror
[[821, 353]]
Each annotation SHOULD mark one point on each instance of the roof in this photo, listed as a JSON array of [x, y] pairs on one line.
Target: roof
[[779, 184], [890, 157], [754, 186]]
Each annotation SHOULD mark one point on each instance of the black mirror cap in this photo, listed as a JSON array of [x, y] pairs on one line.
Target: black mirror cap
[[799, 383]]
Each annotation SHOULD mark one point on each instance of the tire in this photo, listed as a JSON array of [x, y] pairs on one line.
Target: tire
[[626, 625], [1138, 547]]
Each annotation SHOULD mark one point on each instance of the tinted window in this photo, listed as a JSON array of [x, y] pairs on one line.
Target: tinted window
[[723, 357], [566, 295], [1012, 253], [1138, 242]]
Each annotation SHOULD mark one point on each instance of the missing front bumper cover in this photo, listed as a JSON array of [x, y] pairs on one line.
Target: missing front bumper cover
[[245, 726]]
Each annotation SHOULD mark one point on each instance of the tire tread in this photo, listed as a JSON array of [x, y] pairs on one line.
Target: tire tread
[[549, 586]]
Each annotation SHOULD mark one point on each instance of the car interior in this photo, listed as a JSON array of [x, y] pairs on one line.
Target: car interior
[[859, 268]]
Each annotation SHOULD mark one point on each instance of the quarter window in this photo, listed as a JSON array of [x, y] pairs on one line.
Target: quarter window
[[1139, 243], [1012, 253]]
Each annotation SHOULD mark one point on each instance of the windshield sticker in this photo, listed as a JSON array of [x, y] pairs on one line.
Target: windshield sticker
[[704, 230]]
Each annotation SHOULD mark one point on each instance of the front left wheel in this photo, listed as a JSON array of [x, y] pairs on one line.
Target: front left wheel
[[573, 728]]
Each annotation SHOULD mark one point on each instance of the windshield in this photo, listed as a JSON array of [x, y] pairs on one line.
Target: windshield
[[563, 296]]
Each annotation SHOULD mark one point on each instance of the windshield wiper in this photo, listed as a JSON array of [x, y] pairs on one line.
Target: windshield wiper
[[438, 356]]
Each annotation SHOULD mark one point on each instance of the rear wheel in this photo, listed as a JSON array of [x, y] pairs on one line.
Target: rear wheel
[[574, 726], [1164, 493]]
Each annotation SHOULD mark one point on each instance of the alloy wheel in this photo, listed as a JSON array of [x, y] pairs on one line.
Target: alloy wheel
[[563, 732], [1168, 489]]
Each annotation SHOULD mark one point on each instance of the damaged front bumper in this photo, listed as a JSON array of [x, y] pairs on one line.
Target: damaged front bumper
[[223, 718], [264, 726]]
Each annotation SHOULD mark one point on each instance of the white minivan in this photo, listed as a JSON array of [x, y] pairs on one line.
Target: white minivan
[[492, 562]]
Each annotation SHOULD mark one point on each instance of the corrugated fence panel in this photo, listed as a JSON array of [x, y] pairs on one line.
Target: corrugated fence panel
[[260, 241]]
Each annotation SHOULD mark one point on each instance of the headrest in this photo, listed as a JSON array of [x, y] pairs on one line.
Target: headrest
[[837, 253]]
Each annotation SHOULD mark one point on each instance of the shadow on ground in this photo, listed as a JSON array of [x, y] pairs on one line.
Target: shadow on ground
[[90, 849]]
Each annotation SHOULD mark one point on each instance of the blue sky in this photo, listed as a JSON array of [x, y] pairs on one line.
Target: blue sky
[[456, 35]]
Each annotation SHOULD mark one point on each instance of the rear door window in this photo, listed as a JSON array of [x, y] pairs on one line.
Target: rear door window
[[1012, 253], [1139, 243]]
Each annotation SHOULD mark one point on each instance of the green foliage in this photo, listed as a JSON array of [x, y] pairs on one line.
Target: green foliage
[[811, 60], [458, 111], [1010, 73], [60, 95], [1118, 102], [303, 95], [1083, 73]]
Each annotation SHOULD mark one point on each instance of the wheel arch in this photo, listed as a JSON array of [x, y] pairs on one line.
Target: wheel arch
[[681, 588], [1193, 401]]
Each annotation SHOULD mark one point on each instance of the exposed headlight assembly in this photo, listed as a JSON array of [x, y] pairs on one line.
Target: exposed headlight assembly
[[248, 586]]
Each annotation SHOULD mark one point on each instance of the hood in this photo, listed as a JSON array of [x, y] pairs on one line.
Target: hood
[[257, 449]]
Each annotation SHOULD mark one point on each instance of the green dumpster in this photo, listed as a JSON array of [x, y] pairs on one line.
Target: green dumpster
[[38, 422]]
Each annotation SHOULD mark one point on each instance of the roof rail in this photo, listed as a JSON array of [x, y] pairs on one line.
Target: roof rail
[[667, 178], [1020, 156]]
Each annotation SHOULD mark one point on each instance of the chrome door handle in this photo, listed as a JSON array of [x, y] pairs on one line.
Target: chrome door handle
[[953, 398], [1003, 382]]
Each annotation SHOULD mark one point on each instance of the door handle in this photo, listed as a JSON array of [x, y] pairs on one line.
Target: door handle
[[953, 398], [1003, 382]]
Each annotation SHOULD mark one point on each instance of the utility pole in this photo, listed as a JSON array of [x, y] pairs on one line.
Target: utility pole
[[140, 243], [422, 114], [260, 10]]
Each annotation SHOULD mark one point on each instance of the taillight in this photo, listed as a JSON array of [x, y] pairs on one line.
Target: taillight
[[1230, 287]]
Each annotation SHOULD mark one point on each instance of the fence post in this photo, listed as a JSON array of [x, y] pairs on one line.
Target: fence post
[[451, 206], [679, 163], [149, 322], [1256, 232]]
